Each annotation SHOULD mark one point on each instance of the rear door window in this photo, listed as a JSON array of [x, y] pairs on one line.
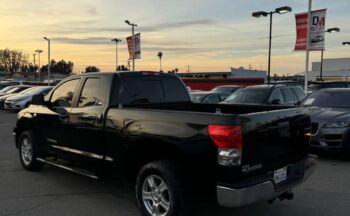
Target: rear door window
[[299, 93], [277, 95], [93, 93]]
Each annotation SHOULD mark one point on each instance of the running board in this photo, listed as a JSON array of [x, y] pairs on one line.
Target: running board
[[74, 170]]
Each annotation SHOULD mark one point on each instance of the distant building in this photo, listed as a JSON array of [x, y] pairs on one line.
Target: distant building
[[333, 69], [242, 72]]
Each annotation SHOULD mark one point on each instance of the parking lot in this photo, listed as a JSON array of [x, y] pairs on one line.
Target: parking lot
[[56, 192]]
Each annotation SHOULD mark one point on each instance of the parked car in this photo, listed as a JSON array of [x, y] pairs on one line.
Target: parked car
[[6, 84], [267, 94], [12, 92], [314, 86], [330, 119], [23, 99], [146, 125], [227, 88], [208, 97], [288, 83], [6, 89]]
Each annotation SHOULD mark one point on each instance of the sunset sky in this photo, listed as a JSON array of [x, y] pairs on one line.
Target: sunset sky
[[208, 35]]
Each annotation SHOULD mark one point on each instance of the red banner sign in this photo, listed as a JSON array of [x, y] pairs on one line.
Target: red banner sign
[[137, 46]]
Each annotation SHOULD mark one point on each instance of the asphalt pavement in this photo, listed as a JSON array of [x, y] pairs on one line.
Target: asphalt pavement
[[53, 191]]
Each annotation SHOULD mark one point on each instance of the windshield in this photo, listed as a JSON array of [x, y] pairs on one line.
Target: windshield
[[329, 99], [252, 95], [197, 98]]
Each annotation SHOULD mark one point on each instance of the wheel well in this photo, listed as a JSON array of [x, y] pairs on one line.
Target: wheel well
[[137, 157]]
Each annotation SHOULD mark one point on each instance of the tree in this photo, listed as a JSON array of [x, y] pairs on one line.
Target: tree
[[61, 67], [91, 68], [12, 61], [122, 68]]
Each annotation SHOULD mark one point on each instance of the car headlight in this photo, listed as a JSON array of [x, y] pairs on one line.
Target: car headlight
[[340, 124]]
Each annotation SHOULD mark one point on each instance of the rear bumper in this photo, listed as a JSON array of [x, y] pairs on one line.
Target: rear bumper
[[262, 191]]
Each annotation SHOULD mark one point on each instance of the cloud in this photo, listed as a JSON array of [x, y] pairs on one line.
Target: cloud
[[152, 28], [83, 41]]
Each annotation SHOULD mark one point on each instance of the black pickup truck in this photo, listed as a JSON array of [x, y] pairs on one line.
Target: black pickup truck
[[145, 126]]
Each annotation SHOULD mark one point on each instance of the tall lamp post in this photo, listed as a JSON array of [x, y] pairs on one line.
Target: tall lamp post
[[258, 14], [116, 40], [160, 55], [34, 54], [330, 30], [133, 25], [49, 61], [39, 51]]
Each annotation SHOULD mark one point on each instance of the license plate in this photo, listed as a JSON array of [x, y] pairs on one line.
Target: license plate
[[280, 175]]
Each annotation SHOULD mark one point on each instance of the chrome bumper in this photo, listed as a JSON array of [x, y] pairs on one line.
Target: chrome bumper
[[231, 197]]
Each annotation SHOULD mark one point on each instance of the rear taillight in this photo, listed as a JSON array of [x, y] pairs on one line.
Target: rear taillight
[[228, 140]]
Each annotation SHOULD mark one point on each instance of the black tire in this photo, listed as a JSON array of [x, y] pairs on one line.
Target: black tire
[[29, 155], [167, 172]]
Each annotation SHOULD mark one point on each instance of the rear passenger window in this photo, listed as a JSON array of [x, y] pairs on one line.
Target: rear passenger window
[[93, 93], [288, 95]]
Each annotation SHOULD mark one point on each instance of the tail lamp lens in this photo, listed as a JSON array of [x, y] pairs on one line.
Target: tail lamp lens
[[228, 140]]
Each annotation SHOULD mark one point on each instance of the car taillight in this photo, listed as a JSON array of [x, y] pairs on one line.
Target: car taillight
[[228, 140]]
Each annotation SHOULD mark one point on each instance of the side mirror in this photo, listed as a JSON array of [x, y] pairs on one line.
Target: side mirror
[[276, 101], [38, 99], [298, 103]]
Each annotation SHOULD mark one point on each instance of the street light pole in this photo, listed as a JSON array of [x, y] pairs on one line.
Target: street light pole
[[49, 61], [116, 40], [280, 10], [39, 51], [133, 25], [269, 61], [330, 30]]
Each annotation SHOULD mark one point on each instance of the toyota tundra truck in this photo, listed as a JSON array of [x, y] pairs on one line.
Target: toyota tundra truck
[[145, 126]]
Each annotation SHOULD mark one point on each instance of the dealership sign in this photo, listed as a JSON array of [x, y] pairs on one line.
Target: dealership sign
[[137, 53], [317, 30]]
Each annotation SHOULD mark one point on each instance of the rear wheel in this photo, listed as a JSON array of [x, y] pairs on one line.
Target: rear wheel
[[159, 190], [28, 151]]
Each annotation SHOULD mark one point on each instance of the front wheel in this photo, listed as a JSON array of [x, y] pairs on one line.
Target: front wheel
[[28, 151], [159, 190]]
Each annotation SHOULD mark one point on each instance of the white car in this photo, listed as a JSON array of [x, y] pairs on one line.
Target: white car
[[23, 99]]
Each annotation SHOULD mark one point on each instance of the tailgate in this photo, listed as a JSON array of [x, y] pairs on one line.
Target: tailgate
[[274, 139]]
